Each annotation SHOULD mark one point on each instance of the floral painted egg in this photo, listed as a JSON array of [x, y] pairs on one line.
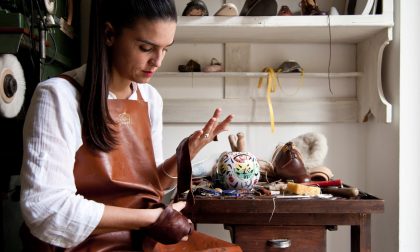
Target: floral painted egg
[[237, 170]]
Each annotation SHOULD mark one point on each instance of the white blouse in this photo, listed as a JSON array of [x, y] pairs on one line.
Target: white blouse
[[52, 135]]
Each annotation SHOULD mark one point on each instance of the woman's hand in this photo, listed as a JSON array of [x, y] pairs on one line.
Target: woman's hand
[[212, 128], [171, 226], [179, 206]]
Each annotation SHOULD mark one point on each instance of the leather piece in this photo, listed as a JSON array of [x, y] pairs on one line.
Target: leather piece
[[288, 164], [170, 227], [184, 182], [197, 241], [320, 173], [259, 8]]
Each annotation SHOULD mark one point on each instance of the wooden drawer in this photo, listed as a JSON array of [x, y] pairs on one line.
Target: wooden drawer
[[302, 238]]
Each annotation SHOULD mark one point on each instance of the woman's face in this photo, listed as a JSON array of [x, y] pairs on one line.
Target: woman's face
[[137, 53]]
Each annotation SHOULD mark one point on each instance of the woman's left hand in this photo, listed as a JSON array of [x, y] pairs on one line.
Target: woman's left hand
[[211, 129]]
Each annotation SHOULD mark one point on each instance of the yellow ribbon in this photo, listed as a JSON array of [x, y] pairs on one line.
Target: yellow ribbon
[[271, 88], [301, 82], [272, 82]]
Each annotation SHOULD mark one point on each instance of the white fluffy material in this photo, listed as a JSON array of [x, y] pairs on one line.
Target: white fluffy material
[[9, 63], [313, 147]]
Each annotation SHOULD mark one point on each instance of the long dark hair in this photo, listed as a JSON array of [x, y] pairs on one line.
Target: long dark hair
[[97, 121]]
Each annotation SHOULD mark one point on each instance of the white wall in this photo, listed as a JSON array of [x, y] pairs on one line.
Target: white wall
[[382, 167], [409, 127]]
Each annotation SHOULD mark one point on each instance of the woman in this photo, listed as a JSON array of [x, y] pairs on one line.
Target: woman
[[93, 138]]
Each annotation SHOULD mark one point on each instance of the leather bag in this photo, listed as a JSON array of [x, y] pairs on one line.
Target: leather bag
[[259, 8]]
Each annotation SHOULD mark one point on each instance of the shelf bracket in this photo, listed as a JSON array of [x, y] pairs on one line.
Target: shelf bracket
[[372, 101]]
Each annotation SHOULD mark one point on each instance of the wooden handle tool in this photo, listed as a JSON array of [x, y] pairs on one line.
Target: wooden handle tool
[[346, 192]]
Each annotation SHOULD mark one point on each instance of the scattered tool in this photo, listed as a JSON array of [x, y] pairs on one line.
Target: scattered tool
[[346, 192], [336, 182]]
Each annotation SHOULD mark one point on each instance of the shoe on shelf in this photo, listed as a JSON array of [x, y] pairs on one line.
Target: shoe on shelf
[[310, 8], [334, 11], [228, 9], [259, 8], [196, 8], [289, 66], [191, 66], [215, 66], [285, 11]]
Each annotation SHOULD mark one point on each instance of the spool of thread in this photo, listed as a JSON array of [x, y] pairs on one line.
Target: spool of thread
[[12, 86]]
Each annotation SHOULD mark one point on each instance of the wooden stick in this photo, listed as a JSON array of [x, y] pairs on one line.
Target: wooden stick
[[241, 143], [233, 142]]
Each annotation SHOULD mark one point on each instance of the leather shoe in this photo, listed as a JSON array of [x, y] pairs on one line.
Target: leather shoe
[[259, 8], [288, 164], [285, 11], [191, 66], [196, 8], [215, 66], [228, 9], [310, 7]]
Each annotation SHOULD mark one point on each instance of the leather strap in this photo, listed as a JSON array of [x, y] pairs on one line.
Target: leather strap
[[184, 175]]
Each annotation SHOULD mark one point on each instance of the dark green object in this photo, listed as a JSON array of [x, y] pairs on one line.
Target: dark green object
[[290, 66], [14, 34]]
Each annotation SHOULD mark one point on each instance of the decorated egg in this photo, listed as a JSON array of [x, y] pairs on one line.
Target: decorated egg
[[237, 170]]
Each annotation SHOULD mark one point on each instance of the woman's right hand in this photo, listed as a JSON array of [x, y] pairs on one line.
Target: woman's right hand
[[179, 205]]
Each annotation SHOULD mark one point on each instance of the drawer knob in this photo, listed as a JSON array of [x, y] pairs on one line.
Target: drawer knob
[[279, 243]]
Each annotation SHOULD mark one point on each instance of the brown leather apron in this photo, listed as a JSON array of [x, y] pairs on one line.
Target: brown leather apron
[[125, 177]]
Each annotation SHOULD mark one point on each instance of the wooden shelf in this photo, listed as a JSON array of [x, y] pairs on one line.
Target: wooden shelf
[[255, 75], [284, 29], [337, 110], [369, 33]]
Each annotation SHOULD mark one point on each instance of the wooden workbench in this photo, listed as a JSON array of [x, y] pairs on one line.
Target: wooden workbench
[[253, 221]]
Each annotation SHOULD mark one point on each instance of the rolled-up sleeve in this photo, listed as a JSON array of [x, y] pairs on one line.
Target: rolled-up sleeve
[[50, 205]]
